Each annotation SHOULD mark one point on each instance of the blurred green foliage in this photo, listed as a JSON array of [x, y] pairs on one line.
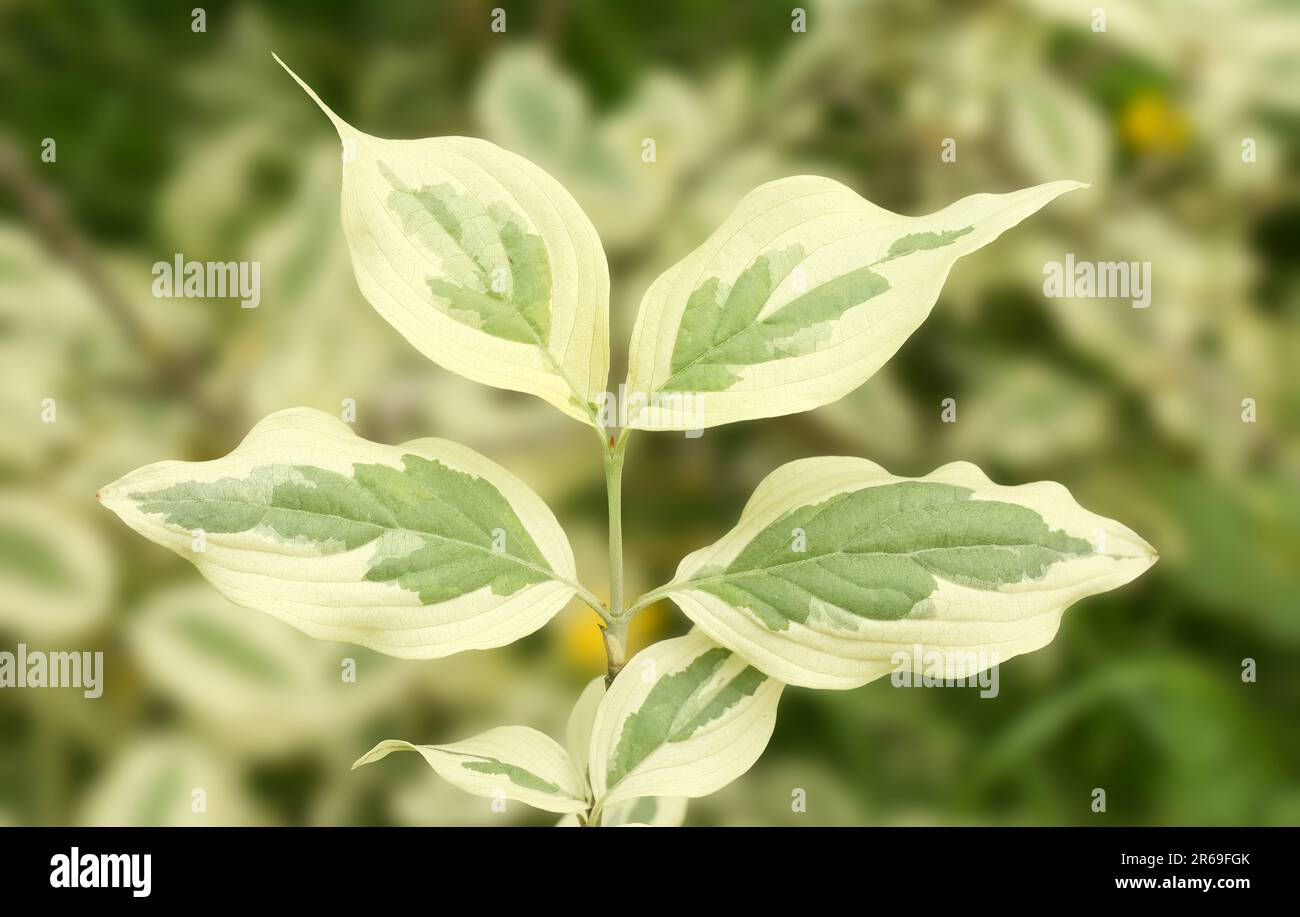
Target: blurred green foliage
[[174, 141]]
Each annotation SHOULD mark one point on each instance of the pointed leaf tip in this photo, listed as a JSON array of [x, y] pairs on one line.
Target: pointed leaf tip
[[340, 125], [480, 259], [801, 294]]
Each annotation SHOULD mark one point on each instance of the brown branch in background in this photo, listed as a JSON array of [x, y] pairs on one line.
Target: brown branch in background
[[49, 219]]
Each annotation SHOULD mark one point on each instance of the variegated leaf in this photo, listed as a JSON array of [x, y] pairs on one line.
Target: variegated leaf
[[651, 810], [642, 812], [418, 550], [839, 572], [684, 718], [647, 811], [577, 735], [481, 260], [797, 299], [517, 761]]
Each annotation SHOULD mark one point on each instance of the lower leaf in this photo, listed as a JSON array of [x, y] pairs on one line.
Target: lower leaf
[[683, 718], [511, 761]]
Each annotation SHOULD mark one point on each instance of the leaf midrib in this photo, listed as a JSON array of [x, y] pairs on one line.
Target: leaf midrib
[[673, 725], [489, 759], [843, 553], [549, 574], [559, 370], [758, 321], [678, 721]]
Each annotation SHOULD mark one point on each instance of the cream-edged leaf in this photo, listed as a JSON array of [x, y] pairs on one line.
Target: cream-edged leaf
[[482, 260], [642, 812], [517, 761], [646, 811], [651, 810], [801, 294], [839, 572], [684, 718], [577, 734], [418, 550]]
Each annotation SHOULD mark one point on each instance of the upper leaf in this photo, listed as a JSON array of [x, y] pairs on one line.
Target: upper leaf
[[797, 299], [836, 567], [481, 260], [516, 761], [419, 550], [685, 717]]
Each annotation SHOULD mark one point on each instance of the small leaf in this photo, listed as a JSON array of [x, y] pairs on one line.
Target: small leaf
[[797, 299], [836, 567], [684, 718], [517, 761], [481, 260], [419, 550]]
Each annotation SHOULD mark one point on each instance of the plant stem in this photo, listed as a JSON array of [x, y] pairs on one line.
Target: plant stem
[[615, 630], [591, 601], [614, 494], [614, 635]]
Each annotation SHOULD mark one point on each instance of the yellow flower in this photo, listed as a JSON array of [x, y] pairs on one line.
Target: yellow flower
[[1150, 124]]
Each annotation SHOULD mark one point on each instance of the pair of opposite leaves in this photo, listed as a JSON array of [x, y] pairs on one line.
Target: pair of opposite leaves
[[489, 267]]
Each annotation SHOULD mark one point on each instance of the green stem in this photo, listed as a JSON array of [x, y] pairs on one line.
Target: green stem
[[590, 599], [615, 631], [614, 634]]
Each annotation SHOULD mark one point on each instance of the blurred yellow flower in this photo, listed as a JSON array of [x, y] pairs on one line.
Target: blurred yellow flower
[[580, 634], [1150, 124]]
